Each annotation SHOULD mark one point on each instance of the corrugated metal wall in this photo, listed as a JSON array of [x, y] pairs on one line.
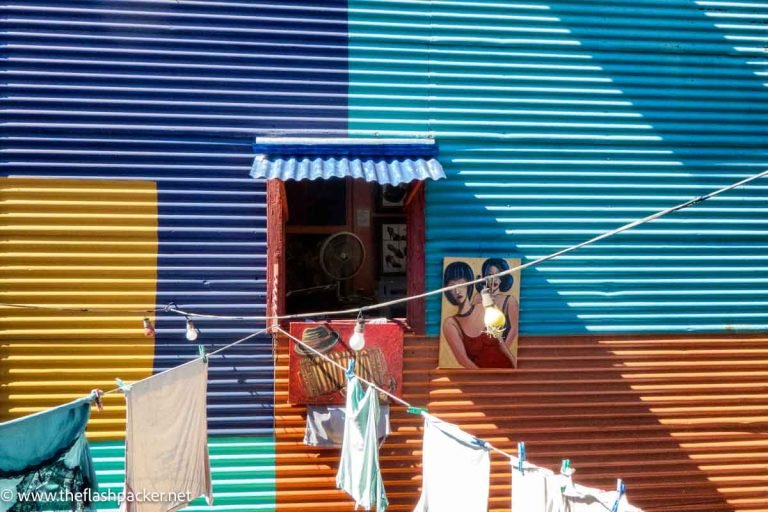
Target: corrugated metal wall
[[560, 120], [556, 121], [74, 243], [167, 95], [680, 418]]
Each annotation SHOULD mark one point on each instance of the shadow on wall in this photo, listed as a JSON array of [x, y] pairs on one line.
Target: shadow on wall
[[653, 411], [459, 225], [627, 110], [650, 410]]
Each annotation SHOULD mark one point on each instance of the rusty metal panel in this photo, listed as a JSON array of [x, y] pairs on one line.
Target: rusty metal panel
[[680, 418]]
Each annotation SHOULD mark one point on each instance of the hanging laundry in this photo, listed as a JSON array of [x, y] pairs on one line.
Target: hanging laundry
[[47, 452], [456, 470], [585, 499], [535, 490], [359, 473], [325, 425], [166, 439]]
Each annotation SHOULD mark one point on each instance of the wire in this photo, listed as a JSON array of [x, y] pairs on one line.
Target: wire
[[83, 310], [359, 310], [334, 363], [551, 256], [377, 388], [212, 354]]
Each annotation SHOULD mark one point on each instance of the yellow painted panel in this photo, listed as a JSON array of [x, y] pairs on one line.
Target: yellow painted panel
[[75, 244]]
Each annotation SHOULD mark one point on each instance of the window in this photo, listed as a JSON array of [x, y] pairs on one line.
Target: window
[[342, 214]]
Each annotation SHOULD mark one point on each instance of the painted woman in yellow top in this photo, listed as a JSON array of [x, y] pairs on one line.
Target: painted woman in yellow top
[[506, 302]]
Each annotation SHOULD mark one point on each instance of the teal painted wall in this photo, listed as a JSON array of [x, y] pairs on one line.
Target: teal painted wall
[[242, 468], [558, 121]]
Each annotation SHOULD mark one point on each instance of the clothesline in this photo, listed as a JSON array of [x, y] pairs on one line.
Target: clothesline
[[515, 460], [377, 388], [327, 359], [214, 353], [173, 309]]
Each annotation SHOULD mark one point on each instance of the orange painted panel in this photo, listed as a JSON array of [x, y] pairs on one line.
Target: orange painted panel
[[682, 419]]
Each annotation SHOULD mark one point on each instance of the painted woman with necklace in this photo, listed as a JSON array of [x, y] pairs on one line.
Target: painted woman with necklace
[[464, 332]]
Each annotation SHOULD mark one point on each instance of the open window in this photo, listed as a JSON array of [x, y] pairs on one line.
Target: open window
[[346, 222]]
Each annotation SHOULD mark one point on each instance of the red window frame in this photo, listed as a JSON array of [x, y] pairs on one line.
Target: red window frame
[[415, 263]]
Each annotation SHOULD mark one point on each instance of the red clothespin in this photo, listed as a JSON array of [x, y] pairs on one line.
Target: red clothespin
[[96, 395]]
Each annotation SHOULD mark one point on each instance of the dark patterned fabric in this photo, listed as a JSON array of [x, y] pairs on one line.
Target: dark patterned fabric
[[45, 461]]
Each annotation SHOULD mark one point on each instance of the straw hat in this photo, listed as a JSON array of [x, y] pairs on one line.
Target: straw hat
[[320, 338]]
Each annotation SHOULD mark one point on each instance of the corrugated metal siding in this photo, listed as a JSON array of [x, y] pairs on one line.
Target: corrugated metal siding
[[680, 418], [381, 171], [561, 120], [173, 93], [74, 244]]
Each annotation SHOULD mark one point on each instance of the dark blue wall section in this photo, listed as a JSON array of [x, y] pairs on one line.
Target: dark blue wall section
[[174, 93]]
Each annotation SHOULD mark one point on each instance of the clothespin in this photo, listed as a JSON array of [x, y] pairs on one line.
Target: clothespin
[[201, 352], [416, 410], [96, 395], [520, 456], [566, 471], [351, 368], [479, 442], [122, 385], [620, 491]]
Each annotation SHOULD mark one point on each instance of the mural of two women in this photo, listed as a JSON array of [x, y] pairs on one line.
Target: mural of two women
[[463, 340]]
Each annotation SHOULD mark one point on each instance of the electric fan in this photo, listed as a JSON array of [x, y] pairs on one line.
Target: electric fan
[[342, 256]]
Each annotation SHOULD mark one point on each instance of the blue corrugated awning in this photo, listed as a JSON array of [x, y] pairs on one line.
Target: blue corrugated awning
[[387, 161]]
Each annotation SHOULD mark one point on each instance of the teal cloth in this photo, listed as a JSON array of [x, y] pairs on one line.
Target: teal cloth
[[47, 452], [359, 473]]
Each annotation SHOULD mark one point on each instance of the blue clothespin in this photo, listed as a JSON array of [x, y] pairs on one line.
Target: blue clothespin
[[620, 491], [351, 368], [479, 442], [520, 456]]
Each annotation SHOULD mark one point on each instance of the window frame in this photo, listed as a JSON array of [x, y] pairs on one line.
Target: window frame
[[277, 205]]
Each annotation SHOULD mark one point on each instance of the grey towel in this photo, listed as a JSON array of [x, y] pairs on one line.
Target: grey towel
[[325, 425]]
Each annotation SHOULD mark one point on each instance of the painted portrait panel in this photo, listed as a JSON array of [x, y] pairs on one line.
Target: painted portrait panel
[[464, 342], [313, 380]]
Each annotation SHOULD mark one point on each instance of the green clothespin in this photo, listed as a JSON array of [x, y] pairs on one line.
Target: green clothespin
[[201, 352], [566, 471], [416, 410]]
